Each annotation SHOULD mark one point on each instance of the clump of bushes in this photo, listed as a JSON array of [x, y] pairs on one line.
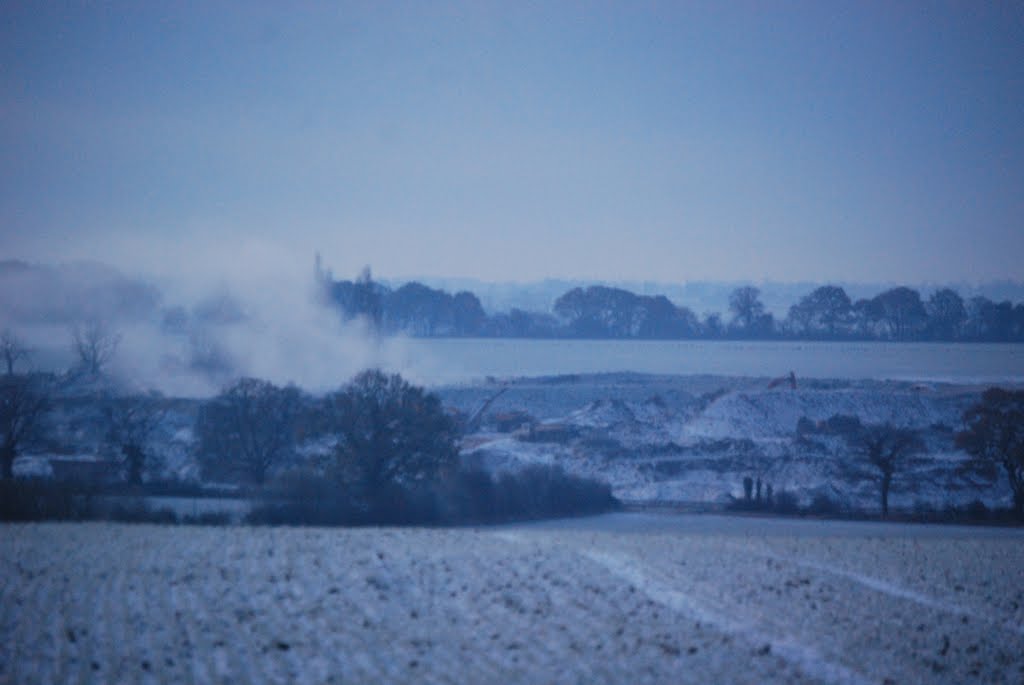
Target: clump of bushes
[[765, 499], [393, 460], [468, 497], [138, 511], [823, 505], [209, 518], [542, 491], [785, 503], [38, 500]]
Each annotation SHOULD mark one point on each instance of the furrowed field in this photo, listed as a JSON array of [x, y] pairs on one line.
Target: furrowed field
[[620, 598]]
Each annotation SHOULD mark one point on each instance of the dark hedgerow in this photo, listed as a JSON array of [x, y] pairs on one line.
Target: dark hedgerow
[[37, 500], [541, 491], [469, 497]]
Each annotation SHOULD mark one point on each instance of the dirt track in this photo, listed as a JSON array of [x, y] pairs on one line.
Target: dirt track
[[628, 598]]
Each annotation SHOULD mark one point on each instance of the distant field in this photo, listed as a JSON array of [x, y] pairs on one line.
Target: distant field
[[627, 598], [458, 360]]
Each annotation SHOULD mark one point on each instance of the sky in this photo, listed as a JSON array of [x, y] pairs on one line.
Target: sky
[[677, 141]]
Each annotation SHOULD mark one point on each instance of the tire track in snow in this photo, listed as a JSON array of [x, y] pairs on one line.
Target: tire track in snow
[[884, 587], [599, 607], [836, 615], [806, 659]]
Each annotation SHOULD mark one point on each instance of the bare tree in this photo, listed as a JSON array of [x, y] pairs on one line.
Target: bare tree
[[247, 429], [94, 345], [749, 315], [883, 454], [131, 422], [11, 350], [994, 439], [22, 404]]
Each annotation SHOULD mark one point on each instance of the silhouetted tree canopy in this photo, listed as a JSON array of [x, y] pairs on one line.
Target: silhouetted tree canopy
[[899, 312], [94, 345], [23, 400], [994, 440], [882, 453], [994, 321], [248, 429], [602, 312], [131, 422], [389, 433], [12, 350], [946, 314], [361, 298], [749, 318], [746, 306], [827, 311]]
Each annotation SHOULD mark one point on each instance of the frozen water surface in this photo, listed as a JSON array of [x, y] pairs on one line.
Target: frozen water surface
[[636, 598]]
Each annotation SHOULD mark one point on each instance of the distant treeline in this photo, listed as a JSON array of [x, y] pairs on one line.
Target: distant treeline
[[376, 451], [599, 312]]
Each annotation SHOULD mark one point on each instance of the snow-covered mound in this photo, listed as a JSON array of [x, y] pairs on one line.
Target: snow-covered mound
[[775, 413]]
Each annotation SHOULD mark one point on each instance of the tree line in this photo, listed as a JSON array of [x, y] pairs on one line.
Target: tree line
[[380, 449], [826, 313], [376, 450], [889, 457]]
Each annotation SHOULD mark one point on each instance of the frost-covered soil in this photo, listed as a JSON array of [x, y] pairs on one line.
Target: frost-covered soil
[[616, 599]]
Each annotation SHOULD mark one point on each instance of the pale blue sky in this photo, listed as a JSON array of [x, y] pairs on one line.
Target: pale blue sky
[[671, 141]]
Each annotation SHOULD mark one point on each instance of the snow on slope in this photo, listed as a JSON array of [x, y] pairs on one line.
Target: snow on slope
[[774, 413], [672, 440]]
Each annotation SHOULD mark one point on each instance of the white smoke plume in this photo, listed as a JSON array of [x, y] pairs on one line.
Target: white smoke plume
[[235, 311]]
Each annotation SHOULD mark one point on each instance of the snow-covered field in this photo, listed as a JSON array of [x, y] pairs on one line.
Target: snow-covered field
[[626, 598]]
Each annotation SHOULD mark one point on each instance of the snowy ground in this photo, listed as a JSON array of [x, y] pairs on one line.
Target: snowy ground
[[695, 438], [634, 598], [653, 438]]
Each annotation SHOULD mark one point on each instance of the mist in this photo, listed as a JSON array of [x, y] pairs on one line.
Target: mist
[[189, 332]]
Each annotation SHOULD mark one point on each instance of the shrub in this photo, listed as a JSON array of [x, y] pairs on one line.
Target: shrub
[[303, 512], [823, 505], [137, 511], [539, 491], [303, 498], [469, 497], [37, 500], [786, 503], [209, 518], [805, 425], [977, 511]]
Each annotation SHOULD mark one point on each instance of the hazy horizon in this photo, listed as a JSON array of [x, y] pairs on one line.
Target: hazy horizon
[[797, 142]]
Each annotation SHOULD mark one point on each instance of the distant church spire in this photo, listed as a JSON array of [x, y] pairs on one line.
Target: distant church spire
[[322, 277]]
